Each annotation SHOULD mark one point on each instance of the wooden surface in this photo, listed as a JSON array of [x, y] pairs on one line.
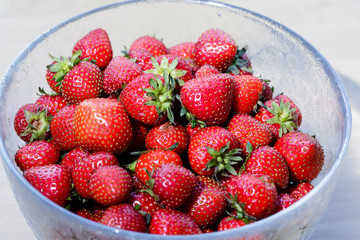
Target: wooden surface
[[333, 27]]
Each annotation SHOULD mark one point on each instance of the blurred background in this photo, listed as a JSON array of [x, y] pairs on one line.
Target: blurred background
[[331, 26]]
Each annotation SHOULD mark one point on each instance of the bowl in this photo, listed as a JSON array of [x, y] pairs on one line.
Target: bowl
[[277, 53]]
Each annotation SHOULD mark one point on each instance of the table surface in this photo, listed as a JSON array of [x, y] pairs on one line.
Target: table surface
[[333, 27]]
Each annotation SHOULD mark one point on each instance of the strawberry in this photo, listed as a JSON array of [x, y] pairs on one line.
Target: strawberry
[[140, 131], [118, 73], [249, 130], [247, 92], [150, 160], [258, 194], [151, 44], [184, 50], [286, 99], [265, 160], [32, 122], [144, 202], [123, 216], [53, 181], [62, 128], [91, 210], [102, 124], [110, 185], [84, 168], [213, 150], [139, 56], [37, 153], [205, 70], [215, 47], [172, 184], [300, 190], [52, 102], [166, 135], [241, 64], [50, 78], [192, 130], [172, 222], [207, 202], [284, 200], [209, 98], [73, 157], [230, 222], [95, 46], [267, 92], [303, 153], [149, 99]]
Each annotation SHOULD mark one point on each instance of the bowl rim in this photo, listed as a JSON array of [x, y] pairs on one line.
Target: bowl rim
[[11, 168]]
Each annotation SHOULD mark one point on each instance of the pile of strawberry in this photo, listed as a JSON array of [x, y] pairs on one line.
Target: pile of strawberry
[[180, 140]]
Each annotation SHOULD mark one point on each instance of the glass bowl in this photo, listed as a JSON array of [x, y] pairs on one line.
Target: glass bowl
[[277, 53]]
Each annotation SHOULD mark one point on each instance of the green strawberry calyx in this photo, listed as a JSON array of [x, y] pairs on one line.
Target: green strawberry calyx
[[240, 62], [38, 124], [239, 208]]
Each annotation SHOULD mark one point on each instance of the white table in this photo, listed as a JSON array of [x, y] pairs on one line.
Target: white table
[[333, 27]]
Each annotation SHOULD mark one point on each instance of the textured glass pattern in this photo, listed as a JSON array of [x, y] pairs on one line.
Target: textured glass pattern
[[277, 53]]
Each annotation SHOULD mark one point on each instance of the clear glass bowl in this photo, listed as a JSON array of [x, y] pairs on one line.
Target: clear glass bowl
[[277, 53]]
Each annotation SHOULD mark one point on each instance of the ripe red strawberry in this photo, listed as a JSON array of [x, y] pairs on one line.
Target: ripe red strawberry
[[73, 157], [152, 159], [110, 185], [184, 50], [303, 153], [286, 99], [53, 181], [32, 122], [84, 168], [207, 202], [213, 150], [209, 98], [118, 73], [62, 128], [102, 124], [284, 200], [166, 135], [230, 222], [172, 222], [241, 64], [249, 130], [247, 92], [192, 130], [173, 184], [215, 47], [205, 70], [53, 103], [265, 160], [139, 56], [148, 99], [37, 153], [300, 190], [144, 202], [151, 44], [258, 194], [124, 216], [96, 46], [140, 131]]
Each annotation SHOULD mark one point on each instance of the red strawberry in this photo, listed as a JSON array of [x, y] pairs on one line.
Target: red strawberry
[[32, 122], [143, 201], [284, 200], [62, 128], [265, 160], [53, 103], [192, 130], [118, 73], [124, 216], [148, 99], [140, 131], [303, 153], [152, 159], [209, 98], [172, 184], [139, 56], [151, 44], [300, 190], [93, 212], [205, 70], [184, 50], [230, 222], [241, 64], [84, 168], [286, 99], [172, 222], [215, 47], [207, 202], [51, 80], [73, 157], [37, 153], [267, 92], [110, 185], [247, 93], [53, 181], [166, 135], [102, 124], [213, 150], [96, 46], [249, 130], [258, 194]]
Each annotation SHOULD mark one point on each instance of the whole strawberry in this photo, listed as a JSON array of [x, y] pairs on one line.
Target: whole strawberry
[[215, 47], [300, 190], [73, 157], [53, 181], [151, 44], [32, 122], [123, 216], [139, 56], [37, 153], [95, 46], [144, 202], [205, 70], [110, 185], [303, 153], [172, 222], [184, 50], [52, 102], [102, 124], [229, 222], [209, 98]]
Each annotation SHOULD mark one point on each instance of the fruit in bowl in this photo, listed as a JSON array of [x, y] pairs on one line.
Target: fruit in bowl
[[199, 123]]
